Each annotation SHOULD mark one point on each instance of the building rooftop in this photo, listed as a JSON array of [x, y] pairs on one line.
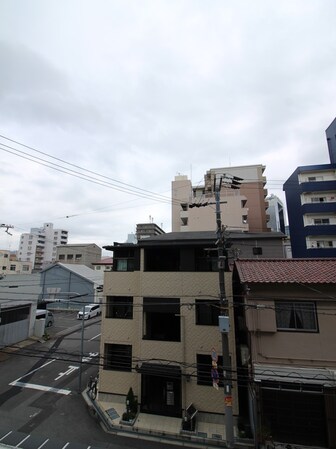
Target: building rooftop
[[94, 276], [295, 271], [194, 238]]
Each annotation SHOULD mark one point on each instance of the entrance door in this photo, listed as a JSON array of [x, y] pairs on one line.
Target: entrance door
[[161, 389]]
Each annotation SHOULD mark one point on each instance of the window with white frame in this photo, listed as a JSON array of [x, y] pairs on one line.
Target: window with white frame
[[321, 221], [324, 244]]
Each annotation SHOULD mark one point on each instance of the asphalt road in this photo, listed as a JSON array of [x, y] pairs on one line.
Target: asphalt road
[[40, 404]]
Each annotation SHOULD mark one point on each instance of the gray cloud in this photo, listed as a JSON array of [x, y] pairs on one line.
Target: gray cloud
[[141, 93]]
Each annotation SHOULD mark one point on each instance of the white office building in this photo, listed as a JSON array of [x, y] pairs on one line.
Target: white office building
[[39, 246]]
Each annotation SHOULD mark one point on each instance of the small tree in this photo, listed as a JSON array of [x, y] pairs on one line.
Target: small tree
[[131, 406]]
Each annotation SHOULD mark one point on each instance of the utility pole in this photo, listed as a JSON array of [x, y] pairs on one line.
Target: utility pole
[[224, 319]]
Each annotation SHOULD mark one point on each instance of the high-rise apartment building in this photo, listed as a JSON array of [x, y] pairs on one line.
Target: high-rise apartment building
[[311, 205], [242, 209], [39, 245], [276, 214]]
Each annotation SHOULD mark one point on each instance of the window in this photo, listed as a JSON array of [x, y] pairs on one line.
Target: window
[[204, 367], [315, 178], [161, 319], [318, 199], [78, 256], [12, 315], [324, 243], [69, 256], [124, 259], [321, 221], [61, 257], [293, 316], [207, 312], [184, 206], [257, 251], [4, 268], [5, 256], [25, 267], [12, 268], [118, 357], [124, 264], [119, 307]]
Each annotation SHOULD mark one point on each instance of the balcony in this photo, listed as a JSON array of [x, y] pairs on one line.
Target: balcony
[[318, 208], [317, 186]]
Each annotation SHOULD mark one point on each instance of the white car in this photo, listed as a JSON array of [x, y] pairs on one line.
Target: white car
[[90, 311]]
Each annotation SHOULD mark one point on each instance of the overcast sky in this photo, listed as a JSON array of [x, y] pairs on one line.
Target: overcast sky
[[139, 91]]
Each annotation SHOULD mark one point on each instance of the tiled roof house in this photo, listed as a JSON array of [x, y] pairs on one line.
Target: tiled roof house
[[285, 316]]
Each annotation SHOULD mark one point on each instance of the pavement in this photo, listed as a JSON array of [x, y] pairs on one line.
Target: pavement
[[159, 428]]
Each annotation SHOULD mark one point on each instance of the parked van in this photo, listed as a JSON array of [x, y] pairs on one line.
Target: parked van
[[90, 311], [47, 315]]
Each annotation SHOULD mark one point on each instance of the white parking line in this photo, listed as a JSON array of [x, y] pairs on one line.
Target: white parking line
[[65, 445], [23, 441], [46, 441], [34, 370], [6, 435], [95, 337]]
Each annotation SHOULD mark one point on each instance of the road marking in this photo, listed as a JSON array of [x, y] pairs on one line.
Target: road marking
[[91, 354], [70, 370], [40, 387], [65, 445], [95, 337], [23, 441], [33, 371], [46, 441], [6, 435]]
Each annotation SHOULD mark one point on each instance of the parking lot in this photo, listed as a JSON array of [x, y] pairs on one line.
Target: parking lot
[[63, 320]]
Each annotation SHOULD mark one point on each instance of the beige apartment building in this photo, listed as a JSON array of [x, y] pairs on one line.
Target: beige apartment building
[[242, 209], [80, 254], [10, 265], [160, 328]]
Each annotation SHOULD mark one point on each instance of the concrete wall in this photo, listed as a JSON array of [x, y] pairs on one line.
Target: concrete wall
[[294, 348]]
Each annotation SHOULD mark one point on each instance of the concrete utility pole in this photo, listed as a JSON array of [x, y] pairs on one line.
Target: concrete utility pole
[[224, 319]]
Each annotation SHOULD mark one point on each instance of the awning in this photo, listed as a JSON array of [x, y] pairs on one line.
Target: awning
[[160, 369], [314, 376]]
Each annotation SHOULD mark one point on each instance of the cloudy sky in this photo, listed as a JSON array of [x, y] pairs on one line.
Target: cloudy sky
[[119, 96]]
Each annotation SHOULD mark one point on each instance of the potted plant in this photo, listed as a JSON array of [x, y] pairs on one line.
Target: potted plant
[[131, 408]]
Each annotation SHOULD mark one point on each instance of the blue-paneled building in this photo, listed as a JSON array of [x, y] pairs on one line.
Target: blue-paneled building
[[311, 206]]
